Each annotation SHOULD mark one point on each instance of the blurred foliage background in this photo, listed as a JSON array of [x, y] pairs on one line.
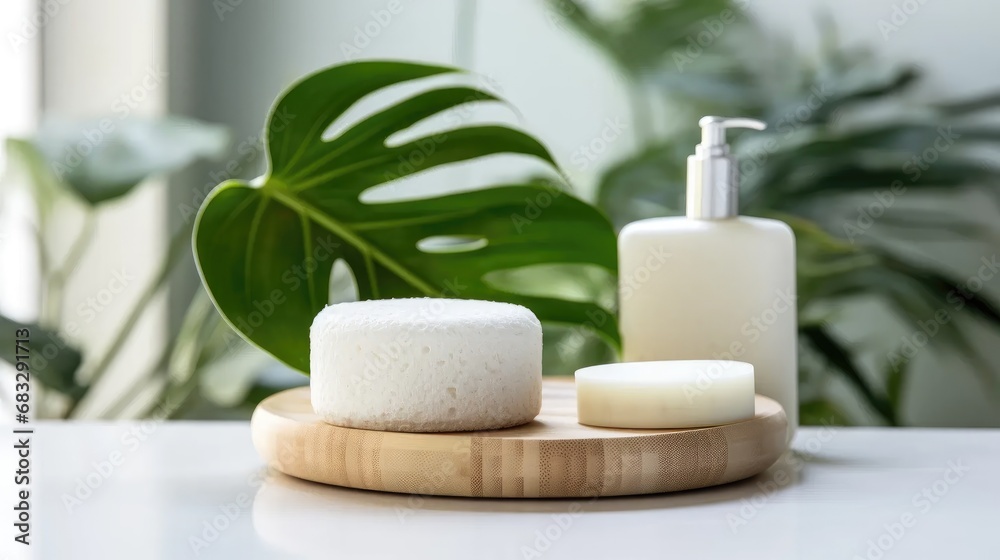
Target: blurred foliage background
[[844, 148], [206, 370], [862, 172]]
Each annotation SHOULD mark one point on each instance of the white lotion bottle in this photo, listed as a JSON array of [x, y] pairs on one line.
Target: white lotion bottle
[[713, 284]]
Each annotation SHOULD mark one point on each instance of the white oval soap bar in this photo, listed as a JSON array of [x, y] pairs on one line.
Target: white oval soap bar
[[426, 365], [665, 395]]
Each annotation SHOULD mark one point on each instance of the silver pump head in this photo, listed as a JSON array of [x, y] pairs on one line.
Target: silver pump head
[[713, 184]]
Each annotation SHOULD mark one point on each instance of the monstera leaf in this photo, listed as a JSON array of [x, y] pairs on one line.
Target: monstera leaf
[[265, 249]]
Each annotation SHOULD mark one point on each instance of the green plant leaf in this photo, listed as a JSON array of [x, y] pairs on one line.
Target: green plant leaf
[[933, 225], [972, 105], [25, 163], [52, 361], [583, 22], [823, 261], [896, 377], [840, 358], [647, 185], [659, 42], [944, 289], [822, 412], [921, 295], [656, 28], [104, 159], [649, 32], [841, 131], [848, 94], [265, 250]]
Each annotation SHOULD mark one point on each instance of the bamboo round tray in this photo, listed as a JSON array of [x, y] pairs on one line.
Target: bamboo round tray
[[551, 457]]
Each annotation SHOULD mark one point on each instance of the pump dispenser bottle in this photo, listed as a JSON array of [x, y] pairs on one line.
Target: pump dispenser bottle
[[713, 284]]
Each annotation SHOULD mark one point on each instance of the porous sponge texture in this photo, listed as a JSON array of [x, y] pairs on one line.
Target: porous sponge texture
[[426, 365]]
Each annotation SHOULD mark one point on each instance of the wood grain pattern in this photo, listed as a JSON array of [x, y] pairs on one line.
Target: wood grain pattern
[[552, 457]]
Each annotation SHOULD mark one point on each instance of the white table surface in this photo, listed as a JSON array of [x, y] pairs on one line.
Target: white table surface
[[842, 495]]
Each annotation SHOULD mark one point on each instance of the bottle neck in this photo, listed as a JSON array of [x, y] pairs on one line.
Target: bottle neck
[[712, 184]]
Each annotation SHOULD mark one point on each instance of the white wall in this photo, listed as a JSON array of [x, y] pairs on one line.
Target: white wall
[[564, 91], [90, 61], [19, 62]]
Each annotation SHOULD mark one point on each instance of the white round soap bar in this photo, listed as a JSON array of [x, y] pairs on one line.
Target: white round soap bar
[[665, 395], [426, 365]]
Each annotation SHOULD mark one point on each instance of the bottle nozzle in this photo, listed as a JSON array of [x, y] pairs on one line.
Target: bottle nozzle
[[713, 129], [713, 181]]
